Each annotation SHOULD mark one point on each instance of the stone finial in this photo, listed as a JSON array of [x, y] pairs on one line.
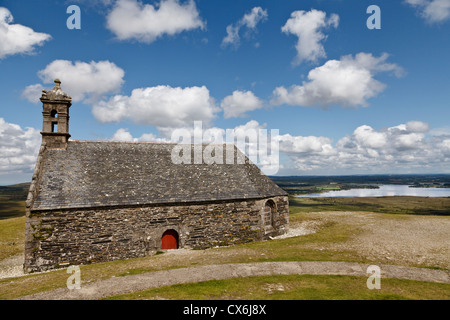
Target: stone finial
[[56, 93]]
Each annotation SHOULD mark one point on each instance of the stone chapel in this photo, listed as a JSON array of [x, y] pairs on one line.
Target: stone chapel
[[96, 201]]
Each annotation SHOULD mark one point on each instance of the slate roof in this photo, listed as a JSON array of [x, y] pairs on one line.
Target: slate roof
[[96, 174]]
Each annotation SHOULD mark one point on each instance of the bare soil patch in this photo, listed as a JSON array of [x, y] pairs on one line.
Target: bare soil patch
[[401, 239], [11, 267]]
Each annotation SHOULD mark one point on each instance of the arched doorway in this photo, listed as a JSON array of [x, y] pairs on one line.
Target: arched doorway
[[169, 240], [269, 213]]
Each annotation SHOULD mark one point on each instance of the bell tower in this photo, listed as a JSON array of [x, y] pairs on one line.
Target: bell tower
[[55, 128]]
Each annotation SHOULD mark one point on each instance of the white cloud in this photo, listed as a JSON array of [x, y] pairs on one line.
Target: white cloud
[[16, 38], [249, 21], [80, 80], [308, 26], [204, 133], [345, 82], [123, 134], [367, 137], [161, 106], [388, 140], [246, 137], [417, 126], [444, 146], [240, 102], [405, 148], [444, 131], [102, 3], [300, 145], [133, 20], [432, 11], [18, 148], [398, 149], [33, 92], [232, 36]]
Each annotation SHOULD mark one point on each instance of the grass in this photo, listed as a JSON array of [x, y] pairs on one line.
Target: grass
[[11, 208], [290, 249], [12, 200], [12, 219], [298, 248], [295, 287], [12, 235]]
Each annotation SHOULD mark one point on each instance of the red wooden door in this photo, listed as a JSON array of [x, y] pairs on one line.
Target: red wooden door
[[169, 240]]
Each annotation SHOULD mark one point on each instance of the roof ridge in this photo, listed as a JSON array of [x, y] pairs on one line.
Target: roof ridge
[[149, 142]]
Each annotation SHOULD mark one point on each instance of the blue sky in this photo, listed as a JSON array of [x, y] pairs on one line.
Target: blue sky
[[345, 99]]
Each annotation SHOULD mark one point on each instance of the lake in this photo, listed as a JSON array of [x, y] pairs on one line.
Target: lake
[[383, 191]]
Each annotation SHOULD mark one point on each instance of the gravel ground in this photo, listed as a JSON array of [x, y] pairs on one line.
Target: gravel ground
[[400, 239], [11, 267], [301, 229]]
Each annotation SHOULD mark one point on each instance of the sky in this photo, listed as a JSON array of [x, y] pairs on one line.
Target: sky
[[351, 89]]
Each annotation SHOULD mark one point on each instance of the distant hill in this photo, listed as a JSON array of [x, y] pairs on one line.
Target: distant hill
[[296, 185], [15, 191], [441, 179], [12, 200]]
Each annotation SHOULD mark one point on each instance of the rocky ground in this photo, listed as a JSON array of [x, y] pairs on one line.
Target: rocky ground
[[11, 267], [400, 239]]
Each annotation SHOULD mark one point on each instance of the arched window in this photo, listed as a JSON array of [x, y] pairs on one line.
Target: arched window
[[270, 210], [54, 115]]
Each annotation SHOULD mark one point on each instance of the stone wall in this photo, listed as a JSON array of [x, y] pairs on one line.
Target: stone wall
[[60, 238]]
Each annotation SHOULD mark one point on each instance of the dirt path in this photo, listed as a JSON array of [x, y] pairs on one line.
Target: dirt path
[[133, 283]]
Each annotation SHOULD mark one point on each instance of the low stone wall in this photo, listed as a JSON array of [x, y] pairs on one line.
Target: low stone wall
[[74, 237]]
